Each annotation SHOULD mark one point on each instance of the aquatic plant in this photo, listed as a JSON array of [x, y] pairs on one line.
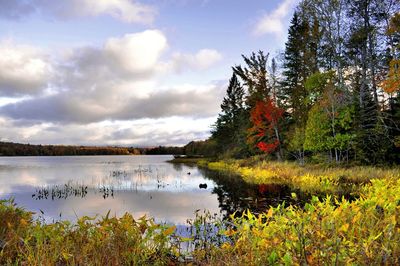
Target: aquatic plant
[[61, 191]]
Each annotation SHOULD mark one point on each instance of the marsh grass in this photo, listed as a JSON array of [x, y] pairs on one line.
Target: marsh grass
[[188, 160], [312, 178], [89, 241], [365, 231]]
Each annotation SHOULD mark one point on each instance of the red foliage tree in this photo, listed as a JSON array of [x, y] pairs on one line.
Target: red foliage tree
[[264, 133]]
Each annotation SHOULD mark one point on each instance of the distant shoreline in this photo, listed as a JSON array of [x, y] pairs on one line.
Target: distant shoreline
[[10, 149]]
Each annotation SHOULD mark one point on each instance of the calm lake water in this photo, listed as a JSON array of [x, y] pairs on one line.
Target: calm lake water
[[72, 186]]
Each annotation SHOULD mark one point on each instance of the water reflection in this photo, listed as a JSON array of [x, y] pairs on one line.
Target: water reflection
[[76, 186], [70, 187]]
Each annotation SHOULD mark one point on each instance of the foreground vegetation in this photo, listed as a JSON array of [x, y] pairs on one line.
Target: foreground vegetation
[[365, 231], [108, 241]]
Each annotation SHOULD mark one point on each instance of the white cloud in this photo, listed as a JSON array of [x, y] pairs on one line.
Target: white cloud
[[23, 69], [106, 103], [119, 81], [129, 11], [138, 52], [142, 132], [273, 22], [202, 60]]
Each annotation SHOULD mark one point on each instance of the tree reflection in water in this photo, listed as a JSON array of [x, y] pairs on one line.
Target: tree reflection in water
[[235, 195]]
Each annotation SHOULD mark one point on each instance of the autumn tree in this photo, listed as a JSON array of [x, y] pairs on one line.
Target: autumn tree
[[264, 134], [391, 86]]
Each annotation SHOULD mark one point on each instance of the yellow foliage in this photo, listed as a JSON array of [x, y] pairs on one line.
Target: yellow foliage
[[309, 179], [270, 212], [169, 230], [392, 83]]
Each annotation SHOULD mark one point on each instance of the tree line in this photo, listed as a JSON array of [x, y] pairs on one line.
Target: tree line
[[332, 95], [18, 149]]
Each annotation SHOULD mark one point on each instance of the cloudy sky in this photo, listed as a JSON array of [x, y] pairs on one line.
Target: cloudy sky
[[125, 72]]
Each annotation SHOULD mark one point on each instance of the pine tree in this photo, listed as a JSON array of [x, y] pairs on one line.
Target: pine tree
[[300, 61], [292, 62], [232, 104], [366, 56], [227, 130], [255, 78]]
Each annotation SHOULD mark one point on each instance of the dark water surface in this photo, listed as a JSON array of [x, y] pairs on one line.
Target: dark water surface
[[72, 186]]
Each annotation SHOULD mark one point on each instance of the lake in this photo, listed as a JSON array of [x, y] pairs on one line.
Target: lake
[[67, 187]]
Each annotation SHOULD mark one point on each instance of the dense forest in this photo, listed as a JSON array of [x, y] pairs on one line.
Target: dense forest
[[332, 95], [193, 148], [17, 149]]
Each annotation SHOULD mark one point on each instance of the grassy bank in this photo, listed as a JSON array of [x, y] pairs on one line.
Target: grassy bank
[[311, 178], [365, 231], [193, 160]]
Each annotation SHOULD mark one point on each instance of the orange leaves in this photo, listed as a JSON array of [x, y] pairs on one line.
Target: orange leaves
[[392, 83]]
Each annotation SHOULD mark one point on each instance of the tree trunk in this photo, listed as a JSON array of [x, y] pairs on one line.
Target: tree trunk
[[279, 153]]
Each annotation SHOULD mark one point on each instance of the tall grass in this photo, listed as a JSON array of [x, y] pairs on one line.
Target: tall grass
[[106, 241], [326, 232]]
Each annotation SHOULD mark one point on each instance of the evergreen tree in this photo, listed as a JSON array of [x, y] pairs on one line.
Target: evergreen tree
[[255, 78], [227, 130], [292, 62], [300, 61], [366, 57]]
